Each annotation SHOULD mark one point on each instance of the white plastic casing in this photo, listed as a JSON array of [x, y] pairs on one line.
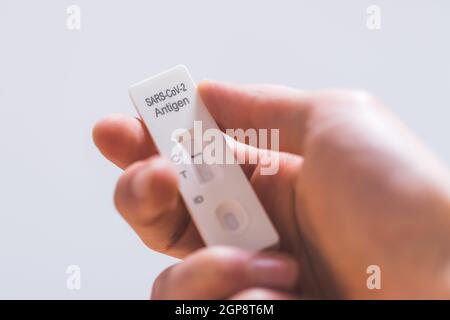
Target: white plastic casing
[[220, 199]]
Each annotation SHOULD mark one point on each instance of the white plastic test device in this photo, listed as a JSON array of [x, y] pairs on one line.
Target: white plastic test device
[[220, 199]]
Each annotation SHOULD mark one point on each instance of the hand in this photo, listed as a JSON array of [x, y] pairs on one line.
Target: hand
[[228, 273], [354, 188]]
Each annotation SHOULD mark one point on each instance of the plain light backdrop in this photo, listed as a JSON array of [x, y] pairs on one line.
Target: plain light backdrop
[[56, 190]]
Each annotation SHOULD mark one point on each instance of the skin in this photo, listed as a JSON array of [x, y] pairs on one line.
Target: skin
[[355, 188]]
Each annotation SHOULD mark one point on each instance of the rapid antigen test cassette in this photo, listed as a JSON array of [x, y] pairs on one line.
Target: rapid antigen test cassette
[[220, 199]]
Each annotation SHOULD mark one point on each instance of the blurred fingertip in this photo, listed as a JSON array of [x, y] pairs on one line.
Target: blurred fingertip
[[158, 178], [121, 139], [109, 131]]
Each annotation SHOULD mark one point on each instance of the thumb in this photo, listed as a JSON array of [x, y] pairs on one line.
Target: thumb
[[259, 107]]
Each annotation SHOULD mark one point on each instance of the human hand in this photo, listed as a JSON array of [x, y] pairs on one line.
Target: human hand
[[229, 273], [354, 188]]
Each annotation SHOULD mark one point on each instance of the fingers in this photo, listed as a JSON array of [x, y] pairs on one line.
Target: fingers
[[123, 140], [155, 209], [147, 197], [147, 192], [259, 107], [221, 272]]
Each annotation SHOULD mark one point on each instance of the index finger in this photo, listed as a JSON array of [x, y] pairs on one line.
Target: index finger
[[123, 140]]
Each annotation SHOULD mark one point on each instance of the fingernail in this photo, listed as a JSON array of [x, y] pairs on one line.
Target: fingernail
[[274, 272]]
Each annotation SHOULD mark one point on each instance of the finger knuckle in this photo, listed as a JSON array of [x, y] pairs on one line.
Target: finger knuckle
[[254, 294], [227, 262], [361, 96], [345, 97]]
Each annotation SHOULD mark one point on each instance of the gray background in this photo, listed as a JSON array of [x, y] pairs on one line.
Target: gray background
[[56, 190]]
